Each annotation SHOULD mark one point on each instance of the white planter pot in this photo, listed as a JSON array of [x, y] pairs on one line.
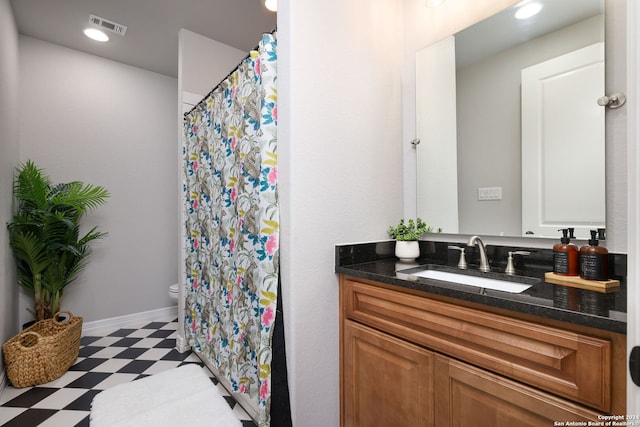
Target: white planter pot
[[407, 251]]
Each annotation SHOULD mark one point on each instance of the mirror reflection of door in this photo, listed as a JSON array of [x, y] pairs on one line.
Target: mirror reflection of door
[[563, 156], [486, 130]]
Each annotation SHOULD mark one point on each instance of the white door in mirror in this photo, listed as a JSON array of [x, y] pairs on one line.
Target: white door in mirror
[[563, 150]]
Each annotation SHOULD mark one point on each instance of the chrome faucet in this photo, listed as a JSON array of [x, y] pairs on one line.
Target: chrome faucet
[[484, 261]]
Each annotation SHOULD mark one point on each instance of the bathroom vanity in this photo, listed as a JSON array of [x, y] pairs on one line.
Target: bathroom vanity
[[425, 352]]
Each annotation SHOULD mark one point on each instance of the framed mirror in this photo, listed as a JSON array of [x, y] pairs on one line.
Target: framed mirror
[[512, 137]]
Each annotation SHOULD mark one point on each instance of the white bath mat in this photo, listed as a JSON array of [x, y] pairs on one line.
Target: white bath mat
[[182, 396]]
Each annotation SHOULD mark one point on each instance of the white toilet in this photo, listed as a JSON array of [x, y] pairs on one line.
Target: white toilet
[[174, 292]]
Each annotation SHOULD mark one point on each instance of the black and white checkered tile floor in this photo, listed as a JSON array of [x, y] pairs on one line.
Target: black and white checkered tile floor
[[104, 361]]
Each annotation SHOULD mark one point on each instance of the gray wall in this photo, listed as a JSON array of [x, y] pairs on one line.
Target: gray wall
[[8, 161], [204, 62], [489, 131], [103, 122]]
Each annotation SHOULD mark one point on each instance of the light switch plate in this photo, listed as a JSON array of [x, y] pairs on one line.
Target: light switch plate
[[490, 193]]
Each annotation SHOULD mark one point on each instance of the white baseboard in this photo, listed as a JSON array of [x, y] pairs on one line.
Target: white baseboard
[[135, 320]]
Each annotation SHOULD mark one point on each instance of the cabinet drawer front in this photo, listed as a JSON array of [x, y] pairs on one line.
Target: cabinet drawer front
[[569, 364]]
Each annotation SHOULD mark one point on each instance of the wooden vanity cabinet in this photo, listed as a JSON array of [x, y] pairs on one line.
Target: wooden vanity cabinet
[[409, 360]]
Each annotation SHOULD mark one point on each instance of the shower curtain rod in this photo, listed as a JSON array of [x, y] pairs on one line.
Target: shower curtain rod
[[228, 75]]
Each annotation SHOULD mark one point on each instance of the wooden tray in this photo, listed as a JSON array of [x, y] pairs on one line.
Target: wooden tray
[[610, 285]]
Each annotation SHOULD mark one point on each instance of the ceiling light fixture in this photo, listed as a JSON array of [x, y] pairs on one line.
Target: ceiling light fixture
[[96, 34], [272, 5], [528, 10]]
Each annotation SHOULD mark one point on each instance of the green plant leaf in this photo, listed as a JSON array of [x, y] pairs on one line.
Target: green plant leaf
[[76, 197], [31, 187], [412, 230]]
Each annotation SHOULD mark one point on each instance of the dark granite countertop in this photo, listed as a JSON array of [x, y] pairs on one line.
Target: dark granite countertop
[[607, 311]]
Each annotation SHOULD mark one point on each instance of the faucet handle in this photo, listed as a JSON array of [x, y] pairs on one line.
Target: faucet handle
[[462, 264], [510, 268]]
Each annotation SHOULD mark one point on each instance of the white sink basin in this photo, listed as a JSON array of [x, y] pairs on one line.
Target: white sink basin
[[480, 282]]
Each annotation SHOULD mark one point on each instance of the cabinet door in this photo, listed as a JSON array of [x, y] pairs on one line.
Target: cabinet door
[[468, 396], [386, 382]]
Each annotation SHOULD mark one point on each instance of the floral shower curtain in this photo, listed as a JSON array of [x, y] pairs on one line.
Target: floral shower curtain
[[232, 224]]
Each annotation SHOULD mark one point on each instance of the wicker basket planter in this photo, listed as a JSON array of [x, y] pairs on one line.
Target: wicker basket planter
[[44, 351]]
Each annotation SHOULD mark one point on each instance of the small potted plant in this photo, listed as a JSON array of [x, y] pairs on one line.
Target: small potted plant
[[406, 236]]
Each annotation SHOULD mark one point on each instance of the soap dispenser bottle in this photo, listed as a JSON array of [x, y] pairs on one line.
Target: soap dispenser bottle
[[594, 260], [565, 256]]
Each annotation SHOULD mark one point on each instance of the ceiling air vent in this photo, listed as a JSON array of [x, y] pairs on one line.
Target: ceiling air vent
[[108, 25]]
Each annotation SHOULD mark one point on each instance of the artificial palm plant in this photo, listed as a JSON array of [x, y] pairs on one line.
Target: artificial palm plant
[[45, 237]]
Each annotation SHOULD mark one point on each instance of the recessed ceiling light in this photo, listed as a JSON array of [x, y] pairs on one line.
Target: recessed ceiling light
[[272, 5], [528, 10], [97, 35]]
